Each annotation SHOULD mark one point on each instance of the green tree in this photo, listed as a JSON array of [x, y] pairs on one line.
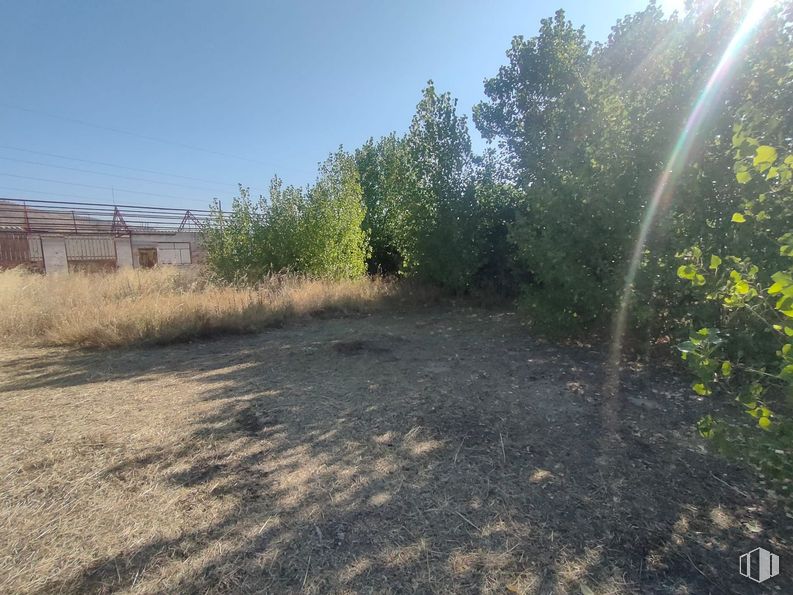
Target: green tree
[[280, 238], [438, 235], [588, 131], [497, 202], [332, 241], [316, 232], [384, 168], [230, 239], [562, 127], [538, 101]]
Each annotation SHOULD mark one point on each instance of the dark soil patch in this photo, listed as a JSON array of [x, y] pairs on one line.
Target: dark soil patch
[[358, 346]]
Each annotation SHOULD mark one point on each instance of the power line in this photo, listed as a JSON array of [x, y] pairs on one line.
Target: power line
[[128, 133], [87, 206], [65, 195], [105, 163], [100, 173], [111, 188]]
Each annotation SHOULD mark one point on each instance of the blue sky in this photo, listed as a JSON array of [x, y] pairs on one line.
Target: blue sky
[[261, 87]]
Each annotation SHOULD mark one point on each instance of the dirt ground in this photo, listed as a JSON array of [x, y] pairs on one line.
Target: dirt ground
[[435, 451]]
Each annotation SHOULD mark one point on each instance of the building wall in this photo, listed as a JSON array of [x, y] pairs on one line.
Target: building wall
[[173, 253], [124, 253], [180, 248], [36, 255], [14, 249], [17, 249], [90, 248], [54, 249], [56, 253]]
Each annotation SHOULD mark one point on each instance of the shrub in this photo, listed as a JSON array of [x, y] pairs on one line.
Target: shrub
[[315, 232], [741, 338]]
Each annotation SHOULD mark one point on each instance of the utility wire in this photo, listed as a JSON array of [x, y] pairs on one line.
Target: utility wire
[[87, 208], [128, 133], [105, 163], [112, 188], [100, 173], [80, 196]]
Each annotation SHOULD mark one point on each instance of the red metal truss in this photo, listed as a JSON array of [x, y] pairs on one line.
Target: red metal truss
[[81, 218]]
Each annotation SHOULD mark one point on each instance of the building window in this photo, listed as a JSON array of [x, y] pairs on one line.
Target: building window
[[147, 257]]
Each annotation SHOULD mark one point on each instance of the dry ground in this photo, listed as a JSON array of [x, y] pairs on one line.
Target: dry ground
[[438, 451]]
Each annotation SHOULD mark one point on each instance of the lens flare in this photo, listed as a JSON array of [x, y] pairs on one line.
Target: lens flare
[[664, 189]]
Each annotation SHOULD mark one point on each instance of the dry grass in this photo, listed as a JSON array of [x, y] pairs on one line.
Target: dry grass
[[418, 452], [164, 305]]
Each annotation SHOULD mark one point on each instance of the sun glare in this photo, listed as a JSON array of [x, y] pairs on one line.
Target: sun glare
[[664, 189], [671, 6]]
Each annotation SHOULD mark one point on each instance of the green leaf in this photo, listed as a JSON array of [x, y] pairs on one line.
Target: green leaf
[[785, 305], [764, 423], [701, 389], [715, 261], [705, 426], [782, 283], [738, 218], [743, 177], [738, 137], [764, 155], [726, 369], [686, 271]]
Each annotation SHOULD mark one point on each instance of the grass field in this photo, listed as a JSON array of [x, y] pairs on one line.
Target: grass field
[[167, 305], [429, 450]]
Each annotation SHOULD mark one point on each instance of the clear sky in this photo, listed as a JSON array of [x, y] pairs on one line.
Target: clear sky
[[260, 87]]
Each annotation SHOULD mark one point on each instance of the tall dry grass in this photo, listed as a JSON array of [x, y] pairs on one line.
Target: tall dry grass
[[164, 305]]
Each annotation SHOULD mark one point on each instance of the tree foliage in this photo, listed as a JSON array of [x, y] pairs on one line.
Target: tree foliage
[[384, 168], [587, 132], [317, 231], [439, 235], [579, 135], [745, 286], [420, 193]]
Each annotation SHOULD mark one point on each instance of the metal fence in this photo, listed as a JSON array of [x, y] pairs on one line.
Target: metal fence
[[26, 217]]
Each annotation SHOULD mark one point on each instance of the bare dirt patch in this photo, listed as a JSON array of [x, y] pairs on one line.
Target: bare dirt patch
[[441, 451]]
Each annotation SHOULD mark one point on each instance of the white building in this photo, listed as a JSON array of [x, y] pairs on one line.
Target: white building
[[60, 237]]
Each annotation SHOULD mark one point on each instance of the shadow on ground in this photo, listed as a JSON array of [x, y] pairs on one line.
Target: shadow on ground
[[433, 453]]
